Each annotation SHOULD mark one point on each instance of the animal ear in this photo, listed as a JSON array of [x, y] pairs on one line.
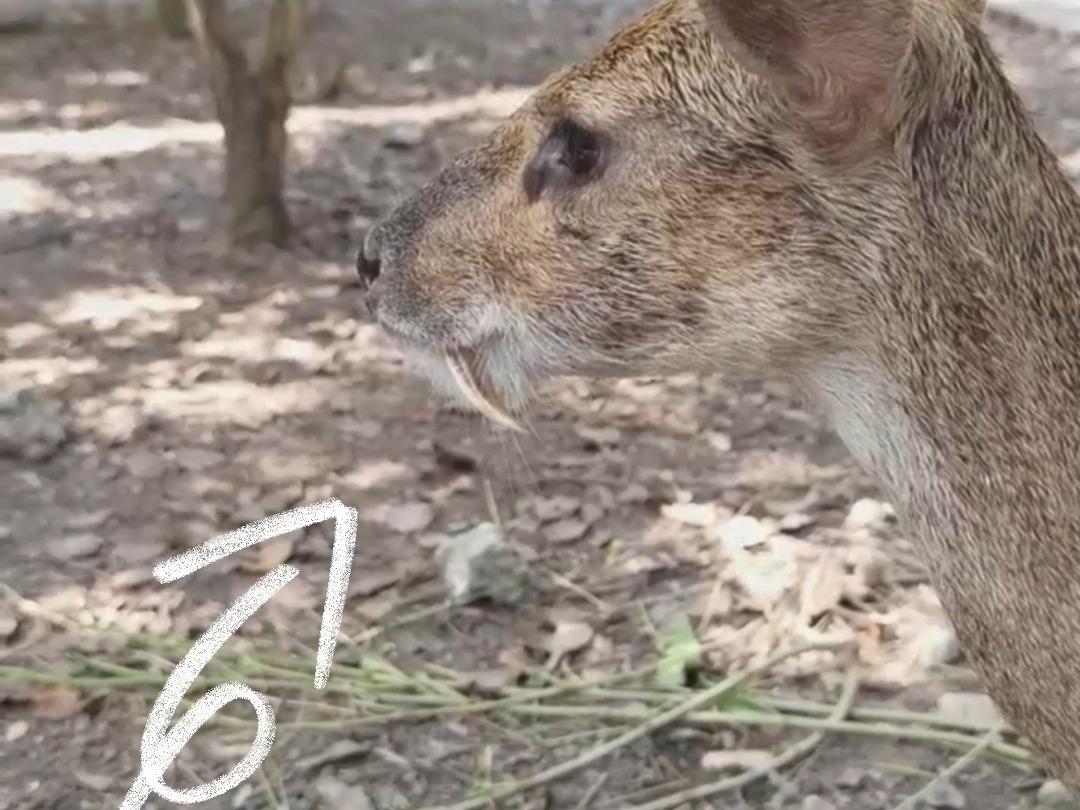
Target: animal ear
[[836, 63]]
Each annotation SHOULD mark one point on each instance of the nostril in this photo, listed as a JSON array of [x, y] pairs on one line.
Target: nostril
[[367, 261], [368, 268]]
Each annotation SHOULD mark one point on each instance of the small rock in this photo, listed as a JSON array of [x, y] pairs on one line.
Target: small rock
[[866, 513], [720, 442], [74, 546], [969, 707], [33, 428], [851, 779], [816, 803], [16, 731], [409, 518], [406, 135], [743, 531], [795, 522], [461, 558], [566, 531], [551, 509], [598, 437], [336, 793], [1053, 795], [944, 795]]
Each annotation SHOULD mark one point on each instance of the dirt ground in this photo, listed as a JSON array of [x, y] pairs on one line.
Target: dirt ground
[[156, 392]]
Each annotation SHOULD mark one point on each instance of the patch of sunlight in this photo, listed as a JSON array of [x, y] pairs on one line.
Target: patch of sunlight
[[238, 401], [109, 308], [257, 348], [127, 139], [20, 196], [107, 78], [46, 370]]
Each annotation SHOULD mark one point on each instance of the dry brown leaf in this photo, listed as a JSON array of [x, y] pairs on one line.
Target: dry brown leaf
[[516, 658], [268, 555], [568, 638], [55, 702], [822, 586]]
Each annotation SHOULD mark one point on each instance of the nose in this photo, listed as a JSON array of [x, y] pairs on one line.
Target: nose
[[367, 261]]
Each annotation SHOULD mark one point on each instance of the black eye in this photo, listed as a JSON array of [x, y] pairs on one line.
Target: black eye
[[580, 148], [570, 156]]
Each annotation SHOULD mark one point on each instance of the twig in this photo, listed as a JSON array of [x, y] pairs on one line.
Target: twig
[[648, 727], [791, 754], [590, 794], [986, 742]]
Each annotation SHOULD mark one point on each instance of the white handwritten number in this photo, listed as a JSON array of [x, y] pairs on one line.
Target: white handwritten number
[[161, 746]]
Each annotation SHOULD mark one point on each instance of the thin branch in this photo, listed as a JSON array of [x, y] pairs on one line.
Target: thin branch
[[988, 740], [651, 725]]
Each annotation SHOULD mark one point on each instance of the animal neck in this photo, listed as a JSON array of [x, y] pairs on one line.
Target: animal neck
[[964, 398]]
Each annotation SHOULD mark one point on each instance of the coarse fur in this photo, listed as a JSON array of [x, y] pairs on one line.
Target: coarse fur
[[849, 196]]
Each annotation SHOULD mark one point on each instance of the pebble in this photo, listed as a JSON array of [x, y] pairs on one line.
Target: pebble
[[73, 546], [944, 795], [404, 136], [816, 803], [1053, 795], [867, 513]]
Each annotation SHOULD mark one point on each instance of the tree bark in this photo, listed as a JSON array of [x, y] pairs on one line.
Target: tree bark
[[252, 102], [172, 18]]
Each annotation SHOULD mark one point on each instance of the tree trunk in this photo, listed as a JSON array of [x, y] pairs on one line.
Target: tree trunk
[[172, 18], [255, 154], [252, 103]]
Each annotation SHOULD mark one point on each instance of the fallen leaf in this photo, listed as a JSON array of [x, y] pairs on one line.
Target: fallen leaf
[[741, 760], [55, 702], [743, 531], [867, 513], [374, 582], [568, 638], [488, 682], [95, 781], [337, 751], [680, 653], [690, 514], [268, 555], [822, 586], [408, 518], [16, 731], [73, 546], [566, 530], [9, 622], [551, 509], [515, 658]]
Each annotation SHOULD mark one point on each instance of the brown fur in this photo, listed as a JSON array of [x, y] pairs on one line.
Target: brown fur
[[856, 201]]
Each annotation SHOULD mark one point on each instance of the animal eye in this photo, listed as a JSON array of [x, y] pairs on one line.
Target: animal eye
[[580, 148], [570, 156]]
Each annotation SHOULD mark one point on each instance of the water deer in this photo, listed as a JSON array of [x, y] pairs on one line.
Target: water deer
[[847, 195]]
